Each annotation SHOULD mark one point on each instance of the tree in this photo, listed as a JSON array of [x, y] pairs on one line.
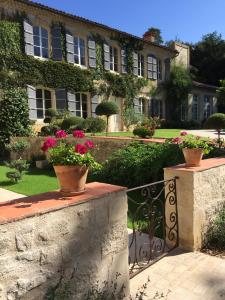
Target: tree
[[107, 108], [207, 56], [177, 89], [217, 122], [157, 34], [221, 96]]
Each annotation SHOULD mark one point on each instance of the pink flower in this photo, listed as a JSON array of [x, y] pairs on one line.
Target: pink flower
[[60, 134], [89, 144], [82, 149], [183, 133], [176, 140], [49, 143], [78, 134]]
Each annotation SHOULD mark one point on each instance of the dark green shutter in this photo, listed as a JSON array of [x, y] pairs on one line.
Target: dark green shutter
[[32, 103], [135, 63], [28, 37], [106, 57], [91, 52], [57, 53], [70, 47]]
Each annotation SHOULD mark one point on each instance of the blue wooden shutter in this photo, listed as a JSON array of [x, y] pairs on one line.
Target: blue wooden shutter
[[57, 53], [71, 102], [94, 104], [106, 57], [28, 37], [32, 103], [91, 52], [135, 63], [61, 99], [123, 61], [70, 47]]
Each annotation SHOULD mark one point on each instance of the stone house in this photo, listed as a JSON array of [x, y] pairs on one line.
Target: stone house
[[153, 61]]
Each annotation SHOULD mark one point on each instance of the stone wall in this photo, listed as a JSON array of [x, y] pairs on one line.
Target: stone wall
[[60, 248], [200, 194]]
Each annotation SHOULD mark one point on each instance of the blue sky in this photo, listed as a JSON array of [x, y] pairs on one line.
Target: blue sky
[[187, 20]]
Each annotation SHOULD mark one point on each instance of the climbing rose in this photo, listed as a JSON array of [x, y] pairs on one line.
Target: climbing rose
[[176, 140], [183, 133], [89, 144], [78, 134], [82, 149], [60, 134], [49, 143]]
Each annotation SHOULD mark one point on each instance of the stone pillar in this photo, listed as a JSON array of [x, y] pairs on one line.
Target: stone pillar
[[200, 193], [50, 245]]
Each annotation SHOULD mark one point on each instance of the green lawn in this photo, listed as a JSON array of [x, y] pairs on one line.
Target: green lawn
[[159, 133], [34, 181]]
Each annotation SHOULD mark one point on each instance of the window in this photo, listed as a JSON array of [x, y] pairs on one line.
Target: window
[[140, 65], [41, 47], [139, 106], [43, 102], [113, 59], [79, 51], [152, 67], [159, 69], [156, 108], [79, 105], [183, 112], [207, 106], [195, 107]]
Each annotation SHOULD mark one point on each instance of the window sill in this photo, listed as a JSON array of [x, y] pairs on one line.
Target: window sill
[[41, 58]]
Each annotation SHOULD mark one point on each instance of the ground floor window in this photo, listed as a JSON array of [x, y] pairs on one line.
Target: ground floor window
[[139, 106], [183, 112], [207, 106], [156, 108], [195, 107], [77, 104], [43, 102]]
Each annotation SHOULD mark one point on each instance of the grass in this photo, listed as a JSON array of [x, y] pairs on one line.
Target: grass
[[159, 133], [34, 181]]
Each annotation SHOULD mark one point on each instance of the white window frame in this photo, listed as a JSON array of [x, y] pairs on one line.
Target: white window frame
[[43, 102], [195, 108], [80, 112], [78, 55], [141, 63], [41, 47], [113, 54]]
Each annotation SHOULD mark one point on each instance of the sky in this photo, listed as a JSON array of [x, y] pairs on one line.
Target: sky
[[187, 20]]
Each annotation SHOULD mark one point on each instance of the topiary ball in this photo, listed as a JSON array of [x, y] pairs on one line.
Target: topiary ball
[[215, 121], [107, 108], [72, 122]]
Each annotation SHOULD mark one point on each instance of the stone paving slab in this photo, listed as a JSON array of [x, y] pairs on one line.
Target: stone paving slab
[[183, 276], [6, 195]]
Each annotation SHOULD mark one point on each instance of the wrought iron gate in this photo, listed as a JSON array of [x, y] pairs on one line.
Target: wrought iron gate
[[152, 222]]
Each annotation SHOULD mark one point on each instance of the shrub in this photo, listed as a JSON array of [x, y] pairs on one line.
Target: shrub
[[95, 125], [138, 164], [143, 132], [130, 118], [107, 108], [180, 124], [75, 122], [18, 147], [49, 130], [217, 122], [215, 237]]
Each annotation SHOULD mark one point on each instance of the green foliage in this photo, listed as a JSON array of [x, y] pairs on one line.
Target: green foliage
[[157, 33], [10, 37], [143, 132], [177, 88], [75, 122], [20, 166], [138, 164], [18, 147], [221, 96], [14, 176], [130, 117], [215, 237], [107, 108], [49, 130], [216, 121], [14, 114], [94, 125]]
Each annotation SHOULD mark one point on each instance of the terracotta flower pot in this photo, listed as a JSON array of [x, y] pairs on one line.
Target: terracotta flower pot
[[193, 157], [72, 179]]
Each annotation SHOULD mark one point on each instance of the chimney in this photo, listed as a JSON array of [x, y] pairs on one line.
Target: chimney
[[149, 36]]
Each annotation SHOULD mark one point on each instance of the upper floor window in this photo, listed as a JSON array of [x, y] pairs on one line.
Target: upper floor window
[[79, 51], [207, 106], [159, 69], [195, 107], [140, 65], [77, 104], [41, 47], [113, 59], [43, 102], [152, 67]]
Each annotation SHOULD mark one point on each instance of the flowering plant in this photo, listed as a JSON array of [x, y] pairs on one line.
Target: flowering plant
[[62, 152], [190, 141]]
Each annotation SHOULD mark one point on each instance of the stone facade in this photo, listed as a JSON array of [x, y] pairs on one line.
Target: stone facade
[[63, 250], [200, 194]]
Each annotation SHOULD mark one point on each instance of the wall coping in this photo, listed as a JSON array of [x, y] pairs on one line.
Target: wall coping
[[35, 205], [206, 164]]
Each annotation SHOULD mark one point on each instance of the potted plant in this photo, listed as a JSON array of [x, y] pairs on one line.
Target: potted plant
[[71, 161], [193, 148]]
